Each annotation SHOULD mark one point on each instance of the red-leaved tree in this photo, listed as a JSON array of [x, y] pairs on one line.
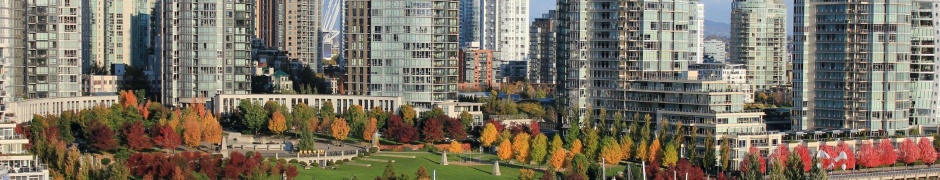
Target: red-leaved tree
[[684, 170], [499, 126], [780, 154], [534, 128], [433, 131], [868, 156], [908, 152], [826, 161], [166, 137], [803, 152], [762, 162], [136, 136], [455, 129], [400, 131], [849, 154], [102, 137], [928, 153], [886, 153]]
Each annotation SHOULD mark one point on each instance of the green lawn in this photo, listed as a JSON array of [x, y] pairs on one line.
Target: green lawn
[[409, 166]]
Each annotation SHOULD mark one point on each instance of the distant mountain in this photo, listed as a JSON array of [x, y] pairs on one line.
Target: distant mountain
[[713, 28]]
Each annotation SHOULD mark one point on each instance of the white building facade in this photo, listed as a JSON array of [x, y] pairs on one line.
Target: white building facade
[[498, 25]]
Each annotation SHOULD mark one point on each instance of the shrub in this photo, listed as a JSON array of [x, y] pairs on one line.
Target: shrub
[[330, 163], [292, 161], [338, 162], [302, 163], [345, 160], [315, 164], [360, 155], [355, 158], [367, 154], [374, 149], [105, 161], [273, 160], [429, 147]]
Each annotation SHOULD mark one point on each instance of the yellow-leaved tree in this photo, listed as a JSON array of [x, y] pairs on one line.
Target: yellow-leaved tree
[[641, 152], [455, 147], [576, 146], [610, 150], [489, 135], [520, 144], [192, 133], [211, 130], [655, 150], [626, 145]]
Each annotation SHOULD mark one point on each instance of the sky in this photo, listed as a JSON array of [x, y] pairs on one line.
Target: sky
[[715, 10]]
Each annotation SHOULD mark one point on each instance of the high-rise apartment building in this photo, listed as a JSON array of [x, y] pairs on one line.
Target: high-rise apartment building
[[476, 70], [204, 48], [923, 63], [53, 64], [292, 26], [405, 48], [759, 41], [108, 33], [861, 65], [12, 78], [697, 33], [542, 49], [499, 25]]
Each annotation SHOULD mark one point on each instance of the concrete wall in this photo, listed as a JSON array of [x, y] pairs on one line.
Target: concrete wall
[[228, 103], [23, 111]]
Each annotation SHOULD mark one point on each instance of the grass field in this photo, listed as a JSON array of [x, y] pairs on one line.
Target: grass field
[[409, 166]]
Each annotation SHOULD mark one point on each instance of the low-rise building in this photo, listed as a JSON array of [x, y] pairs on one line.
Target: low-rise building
[[225, 104], [23, 111], [454, 109], [280, 81], [101, 85], [17, 162]]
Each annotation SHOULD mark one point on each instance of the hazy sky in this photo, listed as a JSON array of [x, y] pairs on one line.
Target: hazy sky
[[715, 10]]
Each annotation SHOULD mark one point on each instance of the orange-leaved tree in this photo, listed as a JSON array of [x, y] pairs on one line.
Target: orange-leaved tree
[[211, 129], [610, 150], [558, 158], [192, 130], [655, 151], [278, 123], [576, 146], [369, 130], [455, 147], [127, 98], [489, 135], [505, 150], [339, 129], [520, 144]]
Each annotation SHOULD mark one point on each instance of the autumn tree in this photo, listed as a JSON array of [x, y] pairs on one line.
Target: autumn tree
[[489, 135], [505, 150], [780, 154], [455, 147], [408, 114], [455, 129], [400, 131], [642, 152], [166, 137], [422, 174], [867, 155], [101, 137], [211, 130], [626, 145], [127, 98], [928, 153], [908, 152], [670, 155], [466, 119], [576, 147], [369, 130], [849, 154], [886, 152], [539, 148], [277, 124], [520, 144], [804, 156], [433, 130], [381, 117], [655, 151], [192, 133], [327, 115], [611, 151], [302, 116], [136, 136], [556, 143], [339, 129], [592, 143], [557, 159]]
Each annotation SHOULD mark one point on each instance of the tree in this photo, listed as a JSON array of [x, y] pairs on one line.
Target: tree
[[327, 114], [571, 135], [302, 116], [867, 156], [339, 129], [626, 145], [526, 174], [592, 143], [356, 118], [466, 119], [389, 173], [908, 152], [849, 162], [804, 156], [655, 151], [780, 154], [166, 137], [886, 152], [642, 152], [277, 124], [455, 147], [136, 136], [101, 137], [611, 151], [422, 174], [928, 153], [539, 148], [211, 130], [671, 155], [252, 115], [558, 158], [795, 169], [433, 131], [307, 141], [505, 150], [726, 153], [369, 130], [534, 128], [754, 165], [576, 147], [408, 114], [192, 132], [489, 135], [520, 144], [127, 98], [455, 129], [556, 143], [400, 131], [381, 117]]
